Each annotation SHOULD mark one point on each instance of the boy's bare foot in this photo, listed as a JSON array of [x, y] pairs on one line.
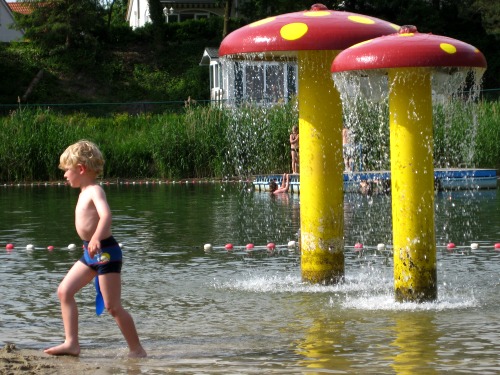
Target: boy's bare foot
[[139, 353], [64, 349]]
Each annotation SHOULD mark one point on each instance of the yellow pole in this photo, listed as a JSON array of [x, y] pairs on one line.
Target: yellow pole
[[412, 174], [321, 169]]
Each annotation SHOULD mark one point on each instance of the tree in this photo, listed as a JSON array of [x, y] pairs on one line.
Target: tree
[[227, 15], [259, 9], [156, 13], [116, 11], [490, 15], [63, 24]]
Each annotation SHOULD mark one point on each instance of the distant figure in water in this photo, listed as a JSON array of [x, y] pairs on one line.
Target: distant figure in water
[[294, 144], [285, 183], [348, 150]]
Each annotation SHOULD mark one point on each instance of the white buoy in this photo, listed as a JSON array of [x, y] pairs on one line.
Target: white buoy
[[381, 246], [121, 245], [207, 247], [30, 247], [291, 244], [474, 246], [71, 246]]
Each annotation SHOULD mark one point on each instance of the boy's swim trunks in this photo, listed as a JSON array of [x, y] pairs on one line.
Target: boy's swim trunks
[[108, 261]]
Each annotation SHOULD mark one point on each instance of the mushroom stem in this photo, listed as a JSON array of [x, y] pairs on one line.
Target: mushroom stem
[[321, 170], [412, 171]]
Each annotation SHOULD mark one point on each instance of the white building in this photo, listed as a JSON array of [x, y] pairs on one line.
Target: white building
[[7, 33], [260, 82], [177, 10]]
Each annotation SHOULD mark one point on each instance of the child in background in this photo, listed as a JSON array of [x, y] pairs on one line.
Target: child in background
[[285, 183], [294, 144]]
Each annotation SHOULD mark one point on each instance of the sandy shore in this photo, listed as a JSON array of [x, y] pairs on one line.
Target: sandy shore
[[14, 361]]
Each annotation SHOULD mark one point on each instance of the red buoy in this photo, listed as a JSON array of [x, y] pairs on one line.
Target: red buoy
[[9, 246], [229, 247]]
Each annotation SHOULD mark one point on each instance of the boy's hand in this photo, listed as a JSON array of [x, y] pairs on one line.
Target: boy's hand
[[94, 247]]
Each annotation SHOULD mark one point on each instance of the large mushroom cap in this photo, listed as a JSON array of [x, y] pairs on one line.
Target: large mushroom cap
[[408, 48], [315, 29]]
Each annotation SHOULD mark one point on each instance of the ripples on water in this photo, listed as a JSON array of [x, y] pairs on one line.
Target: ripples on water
[[223, 312]]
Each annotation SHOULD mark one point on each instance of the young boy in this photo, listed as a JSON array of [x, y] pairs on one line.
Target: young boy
[[82, 163]]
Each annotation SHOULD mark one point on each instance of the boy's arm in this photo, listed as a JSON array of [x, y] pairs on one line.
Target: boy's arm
[[103, 229]]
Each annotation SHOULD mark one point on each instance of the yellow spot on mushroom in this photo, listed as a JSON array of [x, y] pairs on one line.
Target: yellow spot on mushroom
[[395, 27], [317, 13], [361, 43], [448, 48], [360, 19], [293, 31], [406, 34], [262, 22]]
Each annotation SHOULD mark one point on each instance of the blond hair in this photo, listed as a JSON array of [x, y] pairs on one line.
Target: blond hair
[[85, 153]]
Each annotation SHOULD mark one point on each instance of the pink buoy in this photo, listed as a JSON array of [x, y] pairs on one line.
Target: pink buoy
[[271, 246], [451, 245], [358, 245], [497, 246], [228, 247], [50, 248], [9, 246], [249, 246]]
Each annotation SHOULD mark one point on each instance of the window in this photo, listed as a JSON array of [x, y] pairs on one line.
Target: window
[[259, 82]]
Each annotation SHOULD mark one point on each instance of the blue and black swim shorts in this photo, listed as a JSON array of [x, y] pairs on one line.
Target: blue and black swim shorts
[[108, 261]]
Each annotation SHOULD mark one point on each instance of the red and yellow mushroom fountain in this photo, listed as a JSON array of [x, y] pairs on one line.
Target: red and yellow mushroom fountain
[[410, 59], [313, 37]]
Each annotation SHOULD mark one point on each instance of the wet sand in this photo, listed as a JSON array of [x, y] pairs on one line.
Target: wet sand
[[14, 361], [17, 361]]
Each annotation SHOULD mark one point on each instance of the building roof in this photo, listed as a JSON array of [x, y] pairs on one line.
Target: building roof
[[210, 53], [24, 7]]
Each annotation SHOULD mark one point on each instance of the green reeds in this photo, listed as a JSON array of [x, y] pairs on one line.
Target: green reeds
[[213, 142]]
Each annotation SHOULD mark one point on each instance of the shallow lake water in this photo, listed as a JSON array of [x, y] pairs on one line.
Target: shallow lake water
[[235, 312]]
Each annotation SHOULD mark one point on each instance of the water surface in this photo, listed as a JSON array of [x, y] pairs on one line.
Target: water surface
[[222, 312]]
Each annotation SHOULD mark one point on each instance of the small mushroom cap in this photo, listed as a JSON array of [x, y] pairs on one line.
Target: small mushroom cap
[[408, 48], [315, 29]]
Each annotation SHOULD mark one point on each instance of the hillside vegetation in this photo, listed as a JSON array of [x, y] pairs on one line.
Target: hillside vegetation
[[81, 58], [133, 66]]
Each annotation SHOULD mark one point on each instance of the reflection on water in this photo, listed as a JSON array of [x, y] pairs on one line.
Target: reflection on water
[[239, 312]]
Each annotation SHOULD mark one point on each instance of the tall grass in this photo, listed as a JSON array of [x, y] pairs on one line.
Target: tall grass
[[211, 142]]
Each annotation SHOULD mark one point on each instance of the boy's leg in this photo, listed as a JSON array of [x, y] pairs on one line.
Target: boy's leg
[[77, 277], [110, 284]]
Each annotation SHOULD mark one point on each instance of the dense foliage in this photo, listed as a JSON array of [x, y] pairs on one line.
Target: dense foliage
[[210, 142], [88, 53], [203, 141], [85, 54]]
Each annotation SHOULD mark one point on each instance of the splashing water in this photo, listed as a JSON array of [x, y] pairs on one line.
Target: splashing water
[[365, 94]]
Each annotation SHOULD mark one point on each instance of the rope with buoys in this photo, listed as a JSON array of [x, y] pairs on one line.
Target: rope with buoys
[[250, 247], [31, 247], [271, 246]]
